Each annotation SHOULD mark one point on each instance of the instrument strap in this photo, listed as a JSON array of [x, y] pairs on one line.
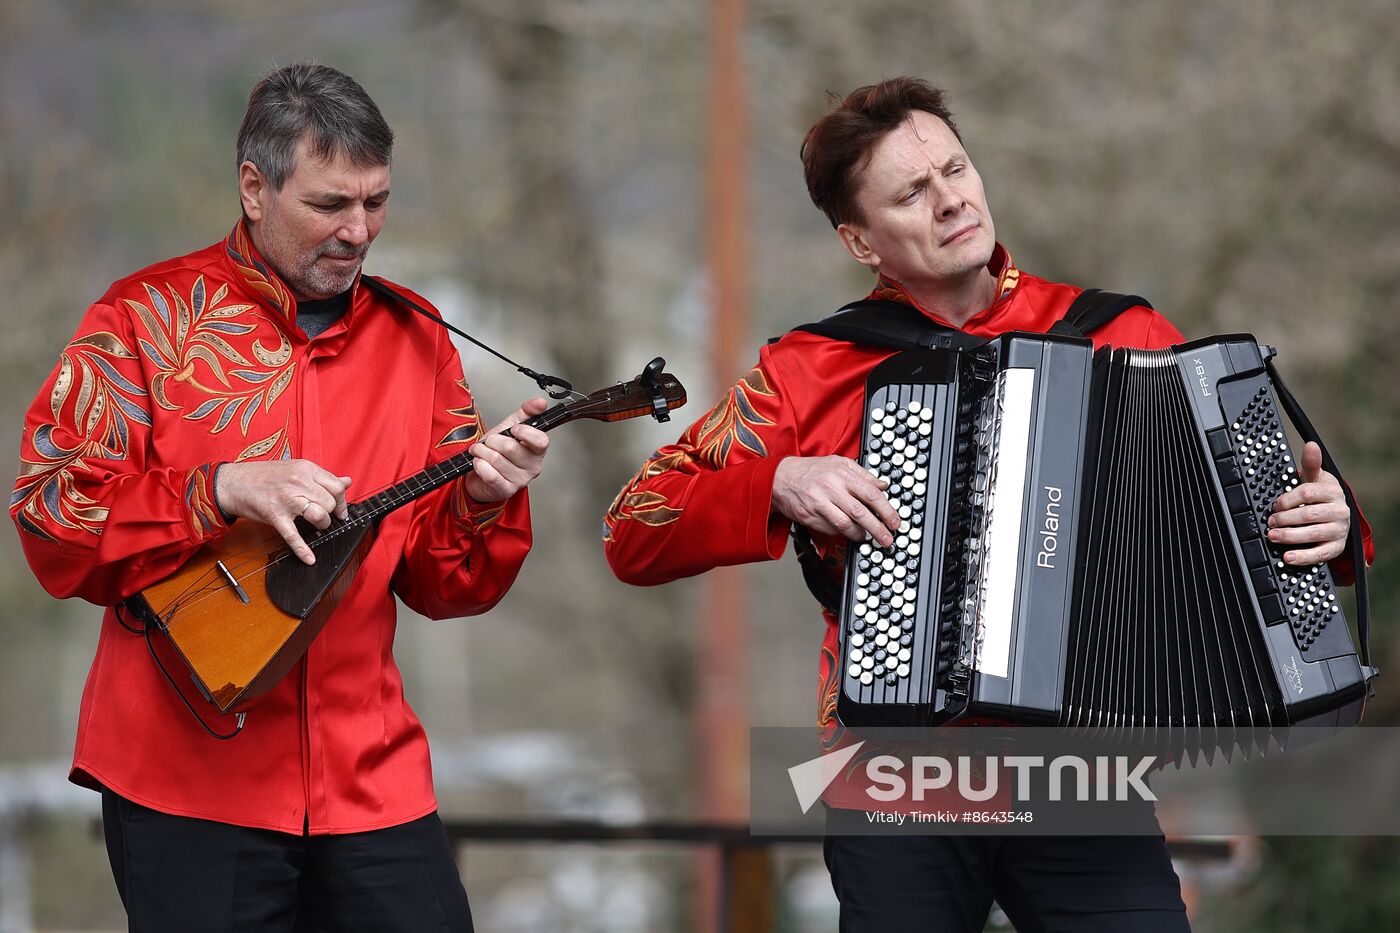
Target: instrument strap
[[1356, 546], [819, 582], [892, 325], [1092, 309], [554, 386], [147, 628]]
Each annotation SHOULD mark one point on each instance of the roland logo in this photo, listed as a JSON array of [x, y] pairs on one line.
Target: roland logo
[[1201, 375], [1294, 673], [1050, 530]]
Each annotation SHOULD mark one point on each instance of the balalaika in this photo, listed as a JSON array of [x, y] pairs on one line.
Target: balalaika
[[1083, 544], [243, 609]]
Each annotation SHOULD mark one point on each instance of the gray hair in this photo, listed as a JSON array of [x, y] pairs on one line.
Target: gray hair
[[307, 98]]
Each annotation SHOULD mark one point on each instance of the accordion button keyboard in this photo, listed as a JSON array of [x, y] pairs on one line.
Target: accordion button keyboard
[[1303, 597]]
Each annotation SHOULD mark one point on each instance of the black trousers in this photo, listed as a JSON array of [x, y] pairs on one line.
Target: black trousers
[[186, 875], [1046, 884]]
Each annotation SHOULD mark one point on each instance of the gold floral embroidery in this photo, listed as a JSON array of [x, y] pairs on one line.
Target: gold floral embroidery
[[187, 339], [827, 721], [468, 431], [730, 423], [95, 427], [200, 502], [181, 333], [258, 277], [733, 420]]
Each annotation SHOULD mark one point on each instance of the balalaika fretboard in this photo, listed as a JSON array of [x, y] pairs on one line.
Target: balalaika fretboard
[[1083, 544]]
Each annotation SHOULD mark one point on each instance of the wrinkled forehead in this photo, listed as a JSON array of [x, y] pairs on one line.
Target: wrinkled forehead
[[918, 143]]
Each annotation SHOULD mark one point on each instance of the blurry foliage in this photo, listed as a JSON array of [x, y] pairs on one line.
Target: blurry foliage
[[1237, 163], [1312, 884]]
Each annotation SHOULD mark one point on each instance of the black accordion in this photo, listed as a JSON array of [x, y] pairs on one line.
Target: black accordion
[[1083, 545]]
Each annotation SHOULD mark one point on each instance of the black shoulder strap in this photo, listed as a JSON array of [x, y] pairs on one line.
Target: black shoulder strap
[[1093, 309], [819, 583], [874, 322]]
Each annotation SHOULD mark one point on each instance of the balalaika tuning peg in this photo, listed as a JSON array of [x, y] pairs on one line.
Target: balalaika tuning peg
[[651, 378]]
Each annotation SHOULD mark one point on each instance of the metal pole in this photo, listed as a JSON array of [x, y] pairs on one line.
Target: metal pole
[[723, 700]]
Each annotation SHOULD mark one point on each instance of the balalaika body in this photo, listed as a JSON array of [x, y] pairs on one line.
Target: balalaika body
[[1083, 545]]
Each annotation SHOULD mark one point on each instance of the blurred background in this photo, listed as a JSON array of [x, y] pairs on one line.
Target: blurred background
[[589, 183]]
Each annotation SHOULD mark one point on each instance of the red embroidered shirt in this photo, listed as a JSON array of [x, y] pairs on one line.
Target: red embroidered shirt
[[705, 501], [197, 361]]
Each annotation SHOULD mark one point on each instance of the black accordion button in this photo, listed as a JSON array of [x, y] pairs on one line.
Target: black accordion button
[[1219, 442], [1236, 498], [1272, 608], [1255, 554]]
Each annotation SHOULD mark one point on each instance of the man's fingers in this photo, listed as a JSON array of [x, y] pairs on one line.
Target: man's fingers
[[867, 523], [528, 409], [1308, 494], [1311, 466], [532, 439], [342, 504], [838, 521], [1309, 515], [1302, 557], [872, 496], [288, 530], [486, 472], [1308, 534], [317, 516]]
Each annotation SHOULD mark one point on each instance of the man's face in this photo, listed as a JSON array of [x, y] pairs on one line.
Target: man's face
[[316, 230], [924, 221]]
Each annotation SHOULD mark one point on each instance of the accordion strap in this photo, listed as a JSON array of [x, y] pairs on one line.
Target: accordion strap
[[1094, 308], [819, 583], [1356, 546], [892, 325]]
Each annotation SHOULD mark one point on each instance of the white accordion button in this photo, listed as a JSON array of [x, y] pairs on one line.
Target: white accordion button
[[853, 670], [867, 678]]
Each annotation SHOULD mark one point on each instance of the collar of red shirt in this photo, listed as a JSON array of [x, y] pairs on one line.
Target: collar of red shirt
[[1000, 265], [262, 281]]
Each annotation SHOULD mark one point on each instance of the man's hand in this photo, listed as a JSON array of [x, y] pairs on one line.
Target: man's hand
[[504, 466], [834, 496], [1312, 513], [277, 492]]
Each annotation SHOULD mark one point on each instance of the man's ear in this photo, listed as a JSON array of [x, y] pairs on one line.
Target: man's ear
[[854, 240], [253, 190]]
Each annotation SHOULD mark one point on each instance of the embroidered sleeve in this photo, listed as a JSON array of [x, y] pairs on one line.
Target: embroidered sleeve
[[460, 556], [705, 501], [95, 519]]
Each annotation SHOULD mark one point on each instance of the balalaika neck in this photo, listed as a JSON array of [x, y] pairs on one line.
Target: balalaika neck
[[371, 510]]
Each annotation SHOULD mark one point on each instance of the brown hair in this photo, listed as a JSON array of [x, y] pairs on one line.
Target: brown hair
[[838, 147]]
